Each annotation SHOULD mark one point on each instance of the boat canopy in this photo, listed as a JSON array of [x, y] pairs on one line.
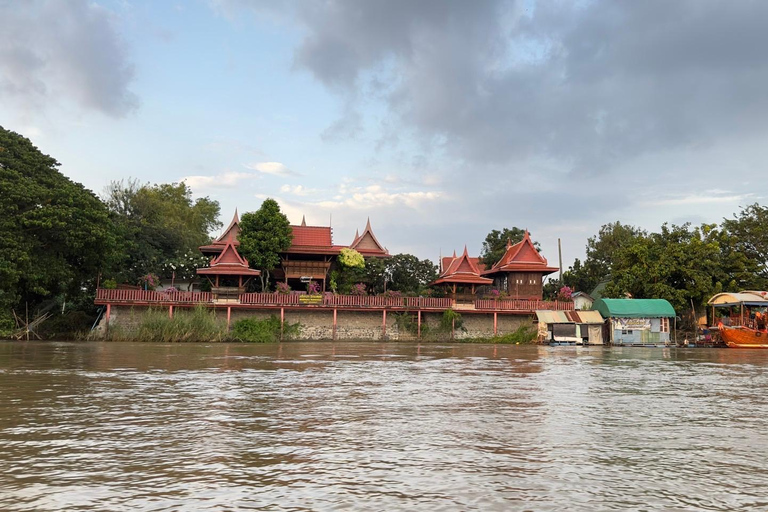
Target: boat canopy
[[634, 308], [748, 298]]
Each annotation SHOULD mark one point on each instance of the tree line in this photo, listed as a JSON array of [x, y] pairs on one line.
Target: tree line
[[58, 240]]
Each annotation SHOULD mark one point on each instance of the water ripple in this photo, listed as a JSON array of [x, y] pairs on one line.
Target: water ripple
[[312, 426]]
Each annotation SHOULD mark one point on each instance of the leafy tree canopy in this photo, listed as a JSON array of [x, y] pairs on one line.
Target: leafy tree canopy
[[495, 244], [264, 234], [408, 274], [750, 231], [158, 224], [55, 235]]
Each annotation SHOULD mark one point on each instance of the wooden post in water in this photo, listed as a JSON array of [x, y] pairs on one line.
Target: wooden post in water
[[383, 323], [418, 324]]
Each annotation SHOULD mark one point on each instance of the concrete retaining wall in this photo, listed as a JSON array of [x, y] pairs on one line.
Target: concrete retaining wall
[[317, 324]]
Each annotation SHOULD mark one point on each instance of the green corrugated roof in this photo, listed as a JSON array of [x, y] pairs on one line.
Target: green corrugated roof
[[634, 308]]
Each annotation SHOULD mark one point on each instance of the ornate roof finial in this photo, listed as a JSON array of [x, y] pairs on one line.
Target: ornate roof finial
[[303, 221]]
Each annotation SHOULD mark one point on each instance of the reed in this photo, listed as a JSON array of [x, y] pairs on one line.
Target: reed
[[195, 325]]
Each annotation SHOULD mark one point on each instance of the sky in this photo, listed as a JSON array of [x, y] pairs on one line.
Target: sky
[[438, 120]]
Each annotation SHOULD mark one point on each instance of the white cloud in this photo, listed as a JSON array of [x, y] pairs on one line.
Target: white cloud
[[228, 179], [706, 197], [274, 168], [298, 190]]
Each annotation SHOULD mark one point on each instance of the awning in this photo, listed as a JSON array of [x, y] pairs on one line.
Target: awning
[[748, 298]]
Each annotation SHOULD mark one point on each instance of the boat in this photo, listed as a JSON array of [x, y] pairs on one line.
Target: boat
[[743, 337]]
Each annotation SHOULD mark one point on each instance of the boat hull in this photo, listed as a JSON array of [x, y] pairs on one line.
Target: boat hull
[[742, 337]]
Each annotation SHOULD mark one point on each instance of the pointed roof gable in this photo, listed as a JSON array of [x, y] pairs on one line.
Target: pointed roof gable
[[229, 262], [521, 257], [228, 236], [231, 233], [367, 244], [462, 270]]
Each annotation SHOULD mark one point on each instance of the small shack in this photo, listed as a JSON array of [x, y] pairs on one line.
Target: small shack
[[636, 321], [582, 301], [577, 327]]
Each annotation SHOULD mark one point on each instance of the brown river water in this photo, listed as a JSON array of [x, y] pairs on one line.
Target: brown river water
[[371, 426]]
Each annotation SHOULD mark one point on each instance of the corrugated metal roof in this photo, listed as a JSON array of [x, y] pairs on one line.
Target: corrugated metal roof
[[634, 308], [569, 317]]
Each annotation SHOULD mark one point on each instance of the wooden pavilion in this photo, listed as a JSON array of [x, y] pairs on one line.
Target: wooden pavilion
[[230, 273], [460, 276], [521, 270]]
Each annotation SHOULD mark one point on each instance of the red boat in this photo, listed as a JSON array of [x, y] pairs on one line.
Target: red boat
[[744, 337]]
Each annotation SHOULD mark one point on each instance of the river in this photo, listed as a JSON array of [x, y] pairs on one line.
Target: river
[[372, 426]]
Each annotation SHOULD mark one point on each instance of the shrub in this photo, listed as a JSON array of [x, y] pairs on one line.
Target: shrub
[[283, 288], [358, 289], [254, 330]]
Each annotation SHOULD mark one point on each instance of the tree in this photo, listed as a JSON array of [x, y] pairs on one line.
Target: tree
[[495, 244], [679, 264], [408, 274], [601, 252], [55, 235], [264, 234], [750, 231], [158, 225]]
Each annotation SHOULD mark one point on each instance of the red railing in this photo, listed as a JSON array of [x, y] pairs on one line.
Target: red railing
[[428, 302], [107, 295], [376, 301], [269, 298], [523, 305], [279, 299]]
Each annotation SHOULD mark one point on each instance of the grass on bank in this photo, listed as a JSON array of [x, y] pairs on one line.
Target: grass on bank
[[523, 335], [201, 324]]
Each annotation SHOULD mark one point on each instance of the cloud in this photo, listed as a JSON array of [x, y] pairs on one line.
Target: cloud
[[274, 168], [224, 180], [706, 197], [72, 50], [298, 190], [589, 84]]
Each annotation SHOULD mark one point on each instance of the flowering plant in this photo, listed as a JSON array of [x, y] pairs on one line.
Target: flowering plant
[[394, 294], [313, 288], [358, 289], [565, 294], [149, 281], [283, 288]]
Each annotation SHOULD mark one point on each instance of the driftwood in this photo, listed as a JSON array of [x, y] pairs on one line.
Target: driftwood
[[25, 328]]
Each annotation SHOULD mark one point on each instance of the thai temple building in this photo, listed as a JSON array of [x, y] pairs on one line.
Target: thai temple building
[[520, 272], [460, 277], [310, 257]]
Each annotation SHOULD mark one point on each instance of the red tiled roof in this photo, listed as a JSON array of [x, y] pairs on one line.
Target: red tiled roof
[[229, 262], [314, 236], [461, 270], [521, 257]]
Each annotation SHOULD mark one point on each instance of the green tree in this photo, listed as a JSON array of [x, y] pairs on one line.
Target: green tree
[[495, 244], [408, 274], [55, 235], [750, 231], [601, 252], [264, 234], [158, 225], [680, 264]]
